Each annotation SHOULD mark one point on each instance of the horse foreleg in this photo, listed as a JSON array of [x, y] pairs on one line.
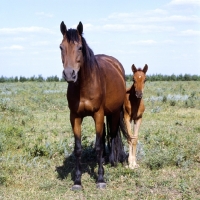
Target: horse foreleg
[[134, 140], [99, 125], [76, 126], [127, 121]]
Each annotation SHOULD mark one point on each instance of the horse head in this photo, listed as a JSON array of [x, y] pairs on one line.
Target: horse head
[[139, 78], [71, 51]]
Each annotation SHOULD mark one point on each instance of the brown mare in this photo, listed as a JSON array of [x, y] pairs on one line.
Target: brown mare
[[96, 87], [133, 110]]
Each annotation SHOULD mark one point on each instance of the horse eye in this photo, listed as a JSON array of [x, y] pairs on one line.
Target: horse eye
[[61, 48], [145, 80], [80, 48]]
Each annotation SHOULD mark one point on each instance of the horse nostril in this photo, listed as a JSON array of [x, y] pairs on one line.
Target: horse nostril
[[63, 74], [73, 74]]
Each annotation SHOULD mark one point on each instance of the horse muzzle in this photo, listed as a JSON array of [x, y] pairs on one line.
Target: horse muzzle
[[139, 94], [70, 75]]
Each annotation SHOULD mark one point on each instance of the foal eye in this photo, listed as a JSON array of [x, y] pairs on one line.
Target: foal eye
[[80, 48]]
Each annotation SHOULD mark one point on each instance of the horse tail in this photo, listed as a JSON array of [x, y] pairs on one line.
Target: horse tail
[[123, 125], [115, 144]]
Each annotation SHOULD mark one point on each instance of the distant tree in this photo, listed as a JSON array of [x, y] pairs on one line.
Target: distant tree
[[173, 77], [16, 79], [40, 78], [2, 79], [180, 77], [52, 79], [153, 77], [129, 77], [187, 77], [32, 78], [195, 78], [22, 79], [62, 80]]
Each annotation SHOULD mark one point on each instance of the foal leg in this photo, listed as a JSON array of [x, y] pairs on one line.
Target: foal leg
[[134, 142], [76, 126], [99, 125], [127, 121]]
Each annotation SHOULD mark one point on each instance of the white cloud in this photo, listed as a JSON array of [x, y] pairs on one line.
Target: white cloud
[[32, 29], [88, 26], [144, 42], [190, 33], [126, 27], [40, 43], [185, 2], [169, 42], [43, 14], [181, 18], [20, 39], [13, 47], [159, 11], [161, 16]]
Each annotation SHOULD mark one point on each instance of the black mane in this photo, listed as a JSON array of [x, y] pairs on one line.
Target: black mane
[[72, 35]]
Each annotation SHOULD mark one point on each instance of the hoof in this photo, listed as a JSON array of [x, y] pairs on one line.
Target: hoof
[[101, 185], [134, 166], [76, 187]]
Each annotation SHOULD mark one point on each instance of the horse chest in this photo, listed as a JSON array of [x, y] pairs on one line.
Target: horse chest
[[134, 108], [84, 105], [137, 110], [84, 100], [89, 105]]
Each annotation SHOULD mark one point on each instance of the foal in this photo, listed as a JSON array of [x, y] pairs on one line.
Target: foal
[[133, 109]]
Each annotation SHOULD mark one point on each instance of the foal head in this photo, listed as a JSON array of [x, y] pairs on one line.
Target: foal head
[[71, 51], [139, 78]]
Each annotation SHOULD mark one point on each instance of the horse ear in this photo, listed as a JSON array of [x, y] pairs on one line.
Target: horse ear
[[145, 68], [80, 28], [134, 69], [63, 28]]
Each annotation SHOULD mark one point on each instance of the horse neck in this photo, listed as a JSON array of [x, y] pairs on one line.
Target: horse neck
[[133, 97], [89, 77]]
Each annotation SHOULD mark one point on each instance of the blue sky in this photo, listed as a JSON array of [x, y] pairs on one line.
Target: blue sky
[[165, 34]]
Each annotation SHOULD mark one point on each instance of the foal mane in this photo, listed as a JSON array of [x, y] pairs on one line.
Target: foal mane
[[89, 58], [139, 69]]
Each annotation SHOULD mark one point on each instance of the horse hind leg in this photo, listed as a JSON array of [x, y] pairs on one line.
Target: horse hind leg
[[117, 153]]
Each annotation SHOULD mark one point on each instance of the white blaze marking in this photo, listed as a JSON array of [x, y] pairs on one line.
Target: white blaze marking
[[139, 76]]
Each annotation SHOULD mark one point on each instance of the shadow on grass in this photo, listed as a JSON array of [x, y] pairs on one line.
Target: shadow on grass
[[88, 164]]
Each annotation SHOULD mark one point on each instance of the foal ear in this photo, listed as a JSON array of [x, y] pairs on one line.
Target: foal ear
[[63, 28], [145, 68], [80, 28], [134, 69]]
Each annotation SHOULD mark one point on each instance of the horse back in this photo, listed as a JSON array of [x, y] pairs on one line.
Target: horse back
[[113, 75]]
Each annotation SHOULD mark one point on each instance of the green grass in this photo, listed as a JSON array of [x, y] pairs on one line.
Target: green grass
[[36, 143]]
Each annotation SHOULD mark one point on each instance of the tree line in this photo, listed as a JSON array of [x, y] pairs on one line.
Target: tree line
[[154, 77], [173, 77]]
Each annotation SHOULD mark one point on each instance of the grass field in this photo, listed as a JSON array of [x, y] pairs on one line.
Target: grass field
[[36, 145]]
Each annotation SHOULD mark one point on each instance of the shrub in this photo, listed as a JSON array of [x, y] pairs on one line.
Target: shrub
[[164, 100], [172, 103]]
